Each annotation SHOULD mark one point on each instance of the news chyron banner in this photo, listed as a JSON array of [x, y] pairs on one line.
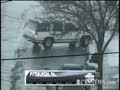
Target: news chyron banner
[[60, 77]]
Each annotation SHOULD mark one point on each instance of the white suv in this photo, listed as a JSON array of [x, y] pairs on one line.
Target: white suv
[[54, 32]]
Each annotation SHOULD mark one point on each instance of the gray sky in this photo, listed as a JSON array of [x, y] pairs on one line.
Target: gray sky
[[15, 8]]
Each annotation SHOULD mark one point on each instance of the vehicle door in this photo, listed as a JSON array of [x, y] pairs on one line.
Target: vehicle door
[[43, 30], [68, 34]]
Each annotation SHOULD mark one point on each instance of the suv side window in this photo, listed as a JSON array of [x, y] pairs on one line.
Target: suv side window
[[43, 27], [57, 26], [69, 27]]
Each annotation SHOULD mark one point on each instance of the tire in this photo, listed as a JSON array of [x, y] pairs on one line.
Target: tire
[[85, 41], [48, 42], [36, 45]]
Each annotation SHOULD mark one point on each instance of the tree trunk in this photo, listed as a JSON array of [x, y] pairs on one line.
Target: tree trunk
[[100, 70], [100, 65]]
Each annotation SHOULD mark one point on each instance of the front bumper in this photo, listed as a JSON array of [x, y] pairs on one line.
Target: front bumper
[[33, 40]]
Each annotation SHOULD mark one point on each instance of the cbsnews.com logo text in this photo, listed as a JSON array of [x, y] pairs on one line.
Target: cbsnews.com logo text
[[90, 80]]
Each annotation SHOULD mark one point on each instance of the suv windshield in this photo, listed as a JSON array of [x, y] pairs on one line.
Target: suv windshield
[[31, 25]]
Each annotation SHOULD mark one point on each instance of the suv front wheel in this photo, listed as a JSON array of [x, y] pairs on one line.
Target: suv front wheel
[[47, 42]]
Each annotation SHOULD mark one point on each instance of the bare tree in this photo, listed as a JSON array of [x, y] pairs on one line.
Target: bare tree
[[97, 18]]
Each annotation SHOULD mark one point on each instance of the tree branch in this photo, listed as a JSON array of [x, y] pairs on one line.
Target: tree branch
[[111, 15], [111, 37]]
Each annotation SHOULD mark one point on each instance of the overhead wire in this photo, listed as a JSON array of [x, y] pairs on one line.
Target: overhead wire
[[23, 58]]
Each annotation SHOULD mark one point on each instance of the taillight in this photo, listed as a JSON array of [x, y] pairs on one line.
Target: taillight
[[36, 36]]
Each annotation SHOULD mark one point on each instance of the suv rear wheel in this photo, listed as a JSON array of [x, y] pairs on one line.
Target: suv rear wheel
[[48, 42]]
